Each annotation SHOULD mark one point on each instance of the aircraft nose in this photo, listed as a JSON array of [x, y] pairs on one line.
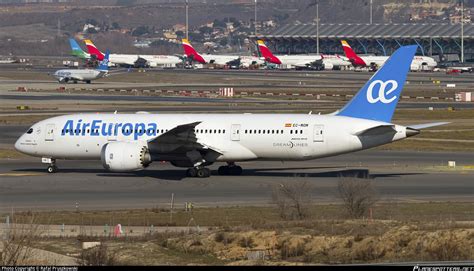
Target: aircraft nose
[[18, 146]]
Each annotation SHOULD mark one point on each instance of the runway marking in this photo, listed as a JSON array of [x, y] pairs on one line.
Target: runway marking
[[15, 174]]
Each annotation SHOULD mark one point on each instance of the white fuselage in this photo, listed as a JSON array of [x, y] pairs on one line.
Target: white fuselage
[[153, 60], [78, 75], [329, 61], [237, 137], [419, 63]]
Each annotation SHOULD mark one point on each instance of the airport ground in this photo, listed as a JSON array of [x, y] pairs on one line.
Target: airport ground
[[423, 204]]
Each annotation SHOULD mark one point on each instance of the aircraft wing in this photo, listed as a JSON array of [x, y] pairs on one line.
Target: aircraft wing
[[180, 139]]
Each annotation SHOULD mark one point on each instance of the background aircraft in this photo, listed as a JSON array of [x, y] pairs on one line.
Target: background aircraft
[[374, 62], [303, 61], [134, 60], [86, 75], [77, 50], [222, 60]]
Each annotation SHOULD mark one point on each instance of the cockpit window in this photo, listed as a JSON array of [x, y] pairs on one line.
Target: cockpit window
[[30, 131]]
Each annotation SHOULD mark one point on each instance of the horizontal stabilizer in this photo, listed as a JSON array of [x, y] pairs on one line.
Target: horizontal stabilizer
[[377, 130], [426, 125]]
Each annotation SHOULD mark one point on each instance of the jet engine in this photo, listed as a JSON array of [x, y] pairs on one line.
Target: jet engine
[[328, 66], [125, 156], [415, 67]]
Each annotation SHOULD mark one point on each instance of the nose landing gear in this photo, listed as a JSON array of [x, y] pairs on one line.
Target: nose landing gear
[[52, 168]]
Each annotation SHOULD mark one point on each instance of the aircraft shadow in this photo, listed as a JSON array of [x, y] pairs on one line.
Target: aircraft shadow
[[180, 174]]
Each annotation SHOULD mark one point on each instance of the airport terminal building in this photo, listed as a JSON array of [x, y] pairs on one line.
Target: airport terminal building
[[437, 40]]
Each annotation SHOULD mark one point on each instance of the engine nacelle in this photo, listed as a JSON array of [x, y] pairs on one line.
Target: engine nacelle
[[328, 66], [125, 156], [415, 67]]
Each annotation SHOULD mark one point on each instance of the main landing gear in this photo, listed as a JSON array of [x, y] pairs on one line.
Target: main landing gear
[[230, 169], [52, 168], [200, 172]]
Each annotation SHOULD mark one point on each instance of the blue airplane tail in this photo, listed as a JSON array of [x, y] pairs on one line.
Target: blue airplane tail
[[74, 45], [104, 64], [378, 98]]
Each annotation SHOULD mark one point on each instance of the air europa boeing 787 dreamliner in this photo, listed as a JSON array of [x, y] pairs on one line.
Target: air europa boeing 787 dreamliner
[[130, 142]]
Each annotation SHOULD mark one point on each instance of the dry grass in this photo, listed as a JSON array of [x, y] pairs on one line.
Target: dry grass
[[256, 217]]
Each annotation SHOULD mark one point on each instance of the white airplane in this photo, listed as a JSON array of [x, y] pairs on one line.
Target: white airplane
[[131, 142], [243, 61], [86, 75], [131, 59], [419, 63], [303, 61]]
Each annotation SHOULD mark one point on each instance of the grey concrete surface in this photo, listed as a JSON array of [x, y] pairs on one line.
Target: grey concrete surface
[[398, 176]]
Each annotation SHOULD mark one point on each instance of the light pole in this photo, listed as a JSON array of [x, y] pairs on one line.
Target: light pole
[[317, 27], [371, 3], [462, 31], [255, 19], [187, 19]]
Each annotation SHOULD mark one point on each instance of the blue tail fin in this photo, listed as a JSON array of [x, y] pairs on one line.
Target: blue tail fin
[[378, 98], [104, 64], [74, 45]]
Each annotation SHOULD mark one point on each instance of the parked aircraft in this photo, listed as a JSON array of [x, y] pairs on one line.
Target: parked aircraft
[[419, 63], [131, 142], [304, 61], [86, 75], [232, 60], [133, 60], [77, 50]]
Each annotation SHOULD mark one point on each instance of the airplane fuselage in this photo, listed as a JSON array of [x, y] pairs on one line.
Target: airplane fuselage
[[237, 137], [66, 75]]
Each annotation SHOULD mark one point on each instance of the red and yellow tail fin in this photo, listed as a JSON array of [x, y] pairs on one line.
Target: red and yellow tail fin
[[267, 54], [93, 50], [191, 53]]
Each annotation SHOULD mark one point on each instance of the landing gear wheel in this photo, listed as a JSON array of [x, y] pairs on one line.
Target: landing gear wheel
[[223, 170], [203, 173], [235, 170], [52, 169], [192, 172]]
